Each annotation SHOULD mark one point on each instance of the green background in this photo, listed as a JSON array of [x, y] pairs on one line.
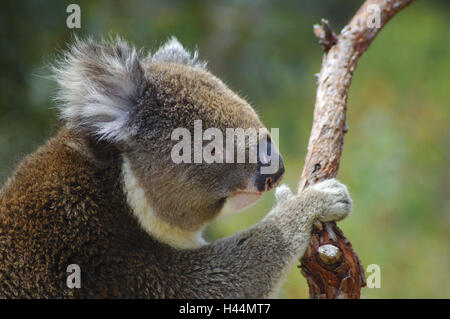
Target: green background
[[396, 155]]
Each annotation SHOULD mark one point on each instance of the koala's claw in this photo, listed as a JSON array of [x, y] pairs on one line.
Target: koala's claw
[[328, 200], [282, 193], [337, 201]]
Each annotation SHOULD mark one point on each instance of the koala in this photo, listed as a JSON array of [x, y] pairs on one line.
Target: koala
[[105, 194]]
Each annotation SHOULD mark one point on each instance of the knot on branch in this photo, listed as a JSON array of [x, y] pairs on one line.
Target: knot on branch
[[329, 254], [325, 34]]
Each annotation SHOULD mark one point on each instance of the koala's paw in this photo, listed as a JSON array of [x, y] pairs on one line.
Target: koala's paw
[[282, 193], [336, 201]]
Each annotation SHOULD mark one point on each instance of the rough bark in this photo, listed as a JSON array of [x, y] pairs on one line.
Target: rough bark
[[330, 266]]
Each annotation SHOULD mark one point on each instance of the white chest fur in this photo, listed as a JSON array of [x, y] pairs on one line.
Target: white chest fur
[[152, 224]]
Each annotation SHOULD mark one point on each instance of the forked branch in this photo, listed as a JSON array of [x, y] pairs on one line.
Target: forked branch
[[331, 267]]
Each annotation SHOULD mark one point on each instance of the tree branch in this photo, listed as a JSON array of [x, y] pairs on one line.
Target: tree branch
[[331, 267]]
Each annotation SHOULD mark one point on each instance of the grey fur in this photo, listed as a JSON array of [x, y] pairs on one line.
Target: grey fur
[[101, 82], [173, 52]]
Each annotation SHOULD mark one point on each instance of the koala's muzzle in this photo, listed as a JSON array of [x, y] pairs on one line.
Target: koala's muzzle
[[270, 167]]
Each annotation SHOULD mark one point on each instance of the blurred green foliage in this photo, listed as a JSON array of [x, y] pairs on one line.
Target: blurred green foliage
[[397, 152]]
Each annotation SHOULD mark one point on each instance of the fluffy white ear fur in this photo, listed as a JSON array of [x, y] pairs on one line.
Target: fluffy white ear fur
[[100, 82], [173, 52]]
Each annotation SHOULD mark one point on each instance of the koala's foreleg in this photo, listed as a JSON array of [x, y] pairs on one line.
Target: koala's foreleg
[[252, 263]]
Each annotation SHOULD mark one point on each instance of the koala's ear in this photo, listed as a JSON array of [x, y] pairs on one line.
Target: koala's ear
[[100, 85], [173, 52]]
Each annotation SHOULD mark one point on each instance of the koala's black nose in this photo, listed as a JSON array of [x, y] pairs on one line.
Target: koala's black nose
[[270, 167]]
